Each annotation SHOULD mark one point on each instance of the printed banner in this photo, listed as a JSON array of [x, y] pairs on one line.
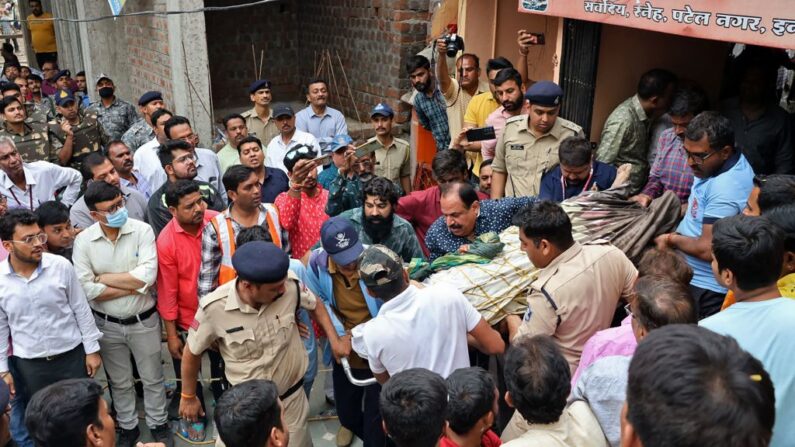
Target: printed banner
[[762, 22], [116, 6]]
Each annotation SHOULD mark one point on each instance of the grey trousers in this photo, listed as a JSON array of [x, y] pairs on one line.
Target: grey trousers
[[142, 339]]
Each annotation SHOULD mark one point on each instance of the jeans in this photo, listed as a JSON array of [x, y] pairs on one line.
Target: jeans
[[357, 407], [142, 339], [19, 433]]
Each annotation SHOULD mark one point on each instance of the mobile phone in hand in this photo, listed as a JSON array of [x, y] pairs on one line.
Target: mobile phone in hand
[[481, 134]]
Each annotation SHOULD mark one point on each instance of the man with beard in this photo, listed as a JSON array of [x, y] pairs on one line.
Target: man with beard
[[122, 160], [724, 180], [97, 168], [41, 101], [670, 171], [207, 164], [318, 118], [393, 158], [83, 129], [376, 222], [81, 92], [236, 130], [141, 132], [465, 217], [429, 102], [273, 180], [54, 221], [245, 210], [288, 138], [529, 145], [577, 172], [179, 162], [259, 120], [508, 89], [116, 115], [42, 34], [482, 105]]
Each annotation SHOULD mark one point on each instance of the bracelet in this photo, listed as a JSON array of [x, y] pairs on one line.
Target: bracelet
[[173, 337], [187, 396]]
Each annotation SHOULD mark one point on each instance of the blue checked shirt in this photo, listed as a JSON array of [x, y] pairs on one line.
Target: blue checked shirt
[[432, 113]]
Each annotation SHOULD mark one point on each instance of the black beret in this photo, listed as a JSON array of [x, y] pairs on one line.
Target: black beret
[[148, 97], [259, 84], [544, 94], [260, 262]]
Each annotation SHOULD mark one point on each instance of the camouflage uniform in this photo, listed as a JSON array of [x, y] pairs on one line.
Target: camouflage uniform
[[402, 239], [117, 118], [343, 194], [139, 134], [89, 136], [38, 112], [37, 142]]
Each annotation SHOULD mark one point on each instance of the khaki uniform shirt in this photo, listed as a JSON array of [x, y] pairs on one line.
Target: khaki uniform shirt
[[89, 137], [255, 344], [264, 130], [577, 426], [393, 162], [37, 142], [525, 158], [576, 295]]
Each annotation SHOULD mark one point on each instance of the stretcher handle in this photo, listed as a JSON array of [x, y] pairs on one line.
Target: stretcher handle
[[346, 366]]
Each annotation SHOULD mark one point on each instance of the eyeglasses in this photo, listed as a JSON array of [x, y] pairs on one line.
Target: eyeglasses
[[699, 158], [629, 311], [186, 158], [115, 207], [35, 239]]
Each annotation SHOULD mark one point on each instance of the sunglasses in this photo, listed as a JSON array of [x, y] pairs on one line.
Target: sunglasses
[[300, 151]]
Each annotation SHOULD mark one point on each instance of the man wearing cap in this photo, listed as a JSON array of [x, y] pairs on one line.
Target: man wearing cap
[[393, 157], [252, 321], [62, 80], [116, 115], [439, 318], [302, 207], [332, 274], [289, 137], [260, 120], [141, 132], [528, 147], [318, 118], [35, 141], [345, 191], [83, 128], [333, 146]]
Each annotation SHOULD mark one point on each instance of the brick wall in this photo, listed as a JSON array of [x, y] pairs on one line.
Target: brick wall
[[373, 39], [230, 34], [148, 51]]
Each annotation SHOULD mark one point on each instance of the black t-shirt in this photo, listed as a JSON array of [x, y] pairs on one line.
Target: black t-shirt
[[275, 183], [158, 212]]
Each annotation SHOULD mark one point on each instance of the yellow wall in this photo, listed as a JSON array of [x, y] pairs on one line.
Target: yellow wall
[[626, 53]]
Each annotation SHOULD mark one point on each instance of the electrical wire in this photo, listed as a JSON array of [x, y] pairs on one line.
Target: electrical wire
[[156, 13]]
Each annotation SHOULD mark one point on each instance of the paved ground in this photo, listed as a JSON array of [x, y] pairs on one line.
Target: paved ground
[[322, 425]]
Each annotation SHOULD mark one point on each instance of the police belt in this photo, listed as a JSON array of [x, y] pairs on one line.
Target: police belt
[[129, 320], [292, 389]]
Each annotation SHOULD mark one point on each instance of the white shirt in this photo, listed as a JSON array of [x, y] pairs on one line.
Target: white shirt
[[420, 328], [274, 155], [46, 314], [134, 252], [147, 163], [43, 180]]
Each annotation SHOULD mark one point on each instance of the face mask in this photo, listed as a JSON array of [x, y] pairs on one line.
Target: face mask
[[106, 92], [117, 219]]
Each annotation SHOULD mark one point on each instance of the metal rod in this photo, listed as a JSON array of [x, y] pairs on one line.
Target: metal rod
[[346, 366]]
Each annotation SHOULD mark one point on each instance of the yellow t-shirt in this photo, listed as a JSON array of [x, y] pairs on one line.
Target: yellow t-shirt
[[42, 33]]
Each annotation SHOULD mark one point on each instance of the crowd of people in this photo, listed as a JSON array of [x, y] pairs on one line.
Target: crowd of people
[[287, 247]]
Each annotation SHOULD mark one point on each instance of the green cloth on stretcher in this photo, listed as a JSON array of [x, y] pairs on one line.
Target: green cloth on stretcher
[[481, 251]]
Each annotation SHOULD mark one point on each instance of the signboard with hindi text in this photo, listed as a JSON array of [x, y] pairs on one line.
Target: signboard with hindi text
[[758, 22]]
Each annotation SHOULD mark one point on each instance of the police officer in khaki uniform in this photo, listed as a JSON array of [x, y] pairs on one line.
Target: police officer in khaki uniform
[[393, 156], [260, 120], [88, 135], [528, 147], [576, 292], [252, 320], [35, 141]]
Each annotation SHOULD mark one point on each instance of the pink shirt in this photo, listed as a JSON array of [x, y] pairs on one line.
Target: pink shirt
[[302, 218], [497, 119], [614, 341], [3, 253]]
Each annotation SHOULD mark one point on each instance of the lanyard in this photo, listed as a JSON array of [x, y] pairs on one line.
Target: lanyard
[[584, 187], [30, 195]]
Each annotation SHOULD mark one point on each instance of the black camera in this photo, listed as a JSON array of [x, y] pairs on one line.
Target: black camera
[[455, 43]]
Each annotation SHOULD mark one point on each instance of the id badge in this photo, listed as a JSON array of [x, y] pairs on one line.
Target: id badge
[[516, 147]]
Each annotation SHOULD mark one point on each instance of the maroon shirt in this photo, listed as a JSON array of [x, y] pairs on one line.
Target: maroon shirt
[[421, 209]]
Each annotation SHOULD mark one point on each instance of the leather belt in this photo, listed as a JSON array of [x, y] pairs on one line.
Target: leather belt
[[292, 390], [129, 320]]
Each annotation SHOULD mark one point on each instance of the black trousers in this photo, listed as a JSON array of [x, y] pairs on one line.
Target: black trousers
[[216, 371], [357, 407], [708, 302], [31, 375]]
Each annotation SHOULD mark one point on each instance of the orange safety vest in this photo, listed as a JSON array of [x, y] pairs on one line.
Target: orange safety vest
[[226, 239]]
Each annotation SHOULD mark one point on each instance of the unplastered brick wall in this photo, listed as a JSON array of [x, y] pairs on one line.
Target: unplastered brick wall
[[373, 39], [272, 30], [148, 50]]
